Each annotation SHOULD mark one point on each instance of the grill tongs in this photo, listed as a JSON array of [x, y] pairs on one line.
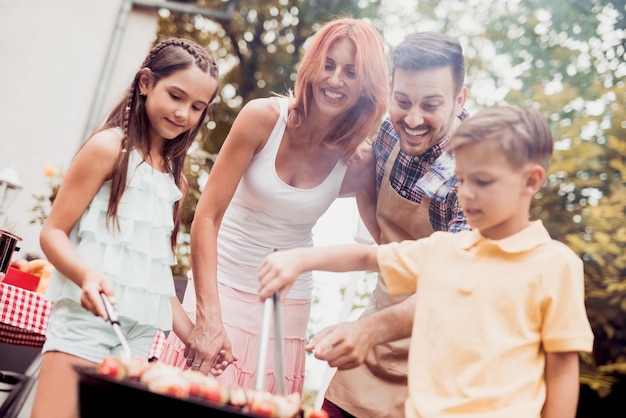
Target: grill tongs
[[271, 308], [113, 319]]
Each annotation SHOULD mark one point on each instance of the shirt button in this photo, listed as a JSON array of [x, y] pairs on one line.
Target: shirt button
[[416, 158], [403, 192]]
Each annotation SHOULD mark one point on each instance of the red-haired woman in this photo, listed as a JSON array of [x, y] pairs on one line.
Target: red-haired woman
[[283, 163]]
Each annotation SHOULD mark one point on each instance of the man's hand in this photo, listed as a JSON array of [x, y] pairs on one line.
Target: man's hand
[[344, 345]]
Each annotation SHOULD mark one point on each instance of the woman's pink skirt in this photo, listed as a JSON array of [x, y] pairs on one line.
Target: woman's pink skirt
[[242, 314]]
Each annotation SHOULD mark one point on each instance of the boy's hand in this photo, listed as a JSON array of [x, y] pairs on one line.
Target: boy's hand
[[278, 272]]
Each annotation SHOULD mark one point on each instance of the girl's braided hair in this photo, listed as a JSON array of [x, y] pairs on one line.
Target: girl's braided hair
[[130, 115]]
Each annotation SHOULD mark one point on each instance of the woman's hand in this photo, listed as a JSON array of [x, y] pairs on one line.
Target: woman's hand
[[208, 348]]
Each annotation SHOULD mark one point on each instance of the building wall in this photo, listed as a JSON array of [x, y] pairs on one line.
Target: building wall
[[51, 60]]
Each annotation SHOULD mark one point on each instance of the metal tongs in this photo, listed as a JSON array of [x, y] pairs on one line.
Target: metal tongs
[[272, 306], [113, 319]]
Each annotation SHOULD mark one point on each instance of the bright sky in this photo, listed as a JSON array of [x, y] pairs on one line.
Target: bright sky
[[339, 225], [394, 27]]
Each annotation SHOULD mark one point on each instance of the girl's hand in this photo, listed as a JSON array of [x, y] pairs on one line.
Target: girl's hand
[[221, 363], [90, 299], [278, 272]]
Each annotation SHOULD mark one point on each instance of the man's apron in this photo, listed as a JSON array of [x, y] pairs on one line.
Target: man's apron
[[378, 388]]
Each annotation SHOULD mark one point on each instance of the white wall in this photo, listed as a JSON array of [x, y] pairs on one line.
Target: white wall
[[51, 58]]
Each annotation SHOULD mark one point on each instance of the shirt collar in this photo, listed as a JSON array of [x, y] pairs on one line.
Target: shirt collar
[[534, 235], [428, 157]]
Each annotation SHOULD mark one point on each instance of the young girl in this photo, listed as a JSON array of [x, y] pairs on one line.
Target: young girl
[[113, 225], [285, 160]]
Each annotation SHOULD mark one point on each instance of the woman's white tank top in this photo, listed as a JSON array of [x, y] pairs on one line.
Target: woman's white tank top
[[267, 214]]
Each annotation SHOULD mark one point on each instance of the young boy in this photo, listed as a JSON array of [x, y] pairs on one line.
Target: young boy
[[500, 315]]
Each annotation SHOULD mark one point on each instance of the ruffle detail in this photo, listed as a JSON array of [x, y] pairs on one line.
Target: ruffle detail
[[173, 352], [242, 373], [137, 256]]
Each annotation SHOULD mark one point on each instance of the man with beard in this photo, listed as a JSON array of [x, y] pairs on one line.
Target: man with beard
[[412, 195]]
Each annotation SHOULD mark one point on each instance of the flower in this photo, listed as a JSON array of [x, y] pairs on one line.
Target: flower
[[50, 170]]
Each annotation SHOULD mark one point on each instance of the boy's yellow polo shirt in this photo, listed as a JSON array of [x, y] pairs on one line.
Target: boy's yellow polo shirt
[[487, 311]]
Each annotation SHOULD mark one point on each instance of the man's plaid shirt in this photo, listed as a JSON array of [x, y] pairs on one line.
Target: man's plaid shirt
[[430, 175]]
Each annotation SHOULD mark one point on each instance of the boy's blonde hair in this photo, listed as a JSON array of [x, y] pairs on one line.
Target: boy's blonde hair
[[523, 134]]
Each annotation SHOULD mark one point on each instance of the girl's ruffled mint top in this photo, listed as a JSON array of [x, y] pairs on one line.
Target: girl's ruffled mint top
[[137, 257]]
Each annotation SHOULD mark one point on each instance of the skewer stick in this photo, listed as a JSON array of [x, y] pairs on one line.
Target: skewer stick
[[113, 319], [265, 327], [271, 308], [278, 345]]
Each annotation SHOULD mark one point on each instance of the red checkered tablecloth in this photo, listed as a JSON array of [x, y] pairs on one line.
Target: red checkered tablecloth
[[24, 318]]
